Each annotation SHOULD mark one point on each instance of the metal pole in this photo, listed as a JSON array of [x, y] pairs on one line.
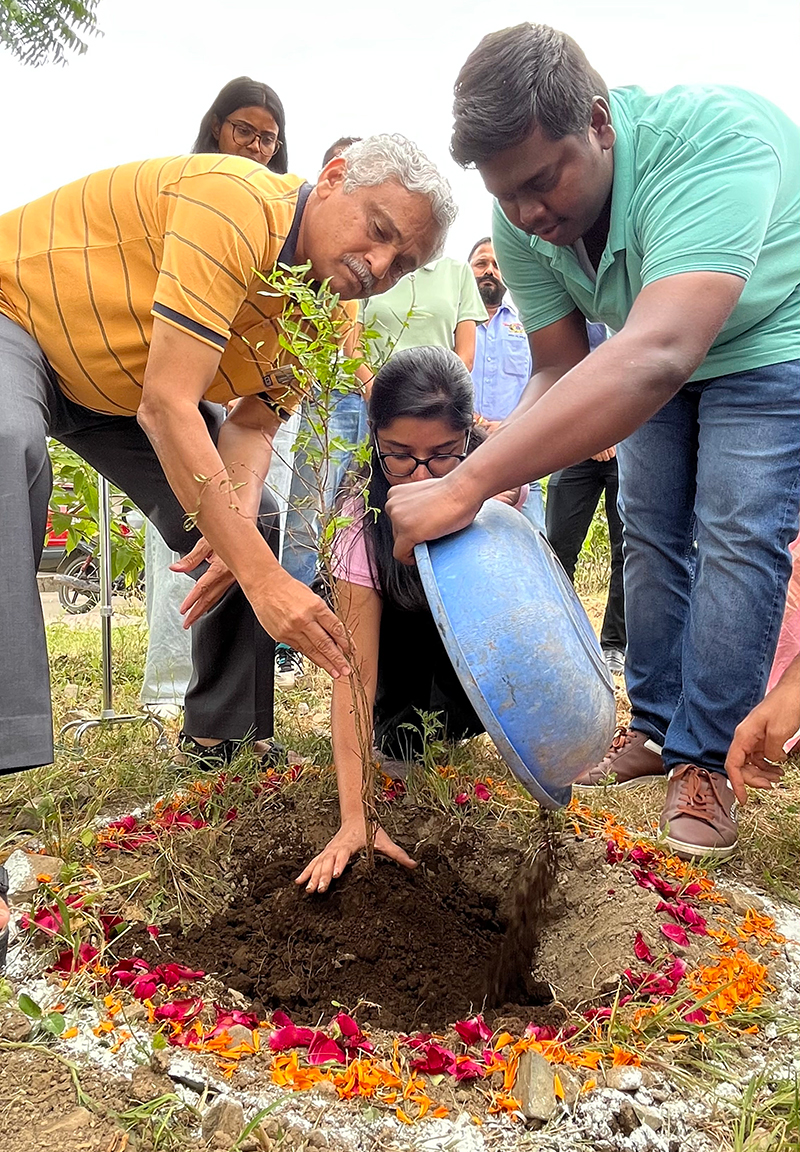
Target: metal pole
[[106, 610], [78, 728]]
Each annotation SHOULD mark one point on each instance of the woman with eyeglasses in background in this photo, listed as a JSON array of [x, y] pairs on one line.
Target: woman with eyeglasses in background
[[246, 119], [421, 425]]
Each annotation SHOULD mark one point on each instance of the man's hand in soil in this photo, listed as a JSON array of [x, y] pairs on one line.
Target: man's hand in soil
[[757, 747], [335, 856]]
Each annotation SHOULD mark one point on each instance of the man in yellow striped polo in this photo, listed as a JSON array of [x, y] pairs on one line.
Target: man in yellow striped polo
[[130, 302]]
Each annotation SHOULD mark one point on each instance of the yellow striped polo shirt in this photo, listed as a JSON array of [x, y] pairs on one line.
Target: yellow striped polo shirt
[[85, 269]]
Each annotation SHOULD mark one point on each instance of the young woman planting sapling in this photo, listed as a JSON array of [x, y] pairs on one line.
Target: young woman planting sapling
[[421, 425]]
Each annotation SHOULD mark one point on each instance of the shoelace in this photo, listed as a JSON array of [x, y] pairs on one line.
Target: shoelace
[[696, 796], [285, 658], [622, 738]]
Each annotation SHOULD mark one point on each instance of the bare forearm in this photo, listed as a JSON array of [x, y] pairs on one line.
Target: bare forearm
[[246, 453], [537, 386], [347, 750], [198, 477], [464, 339]]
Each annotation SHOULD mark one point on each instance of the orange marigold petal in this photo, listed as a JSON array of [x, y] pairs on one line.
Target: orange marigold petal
[[503, 1039]]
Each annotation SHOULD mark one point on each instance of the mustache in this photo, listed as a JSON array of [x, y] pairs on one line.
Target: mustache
[[489, 279], [361, 271]]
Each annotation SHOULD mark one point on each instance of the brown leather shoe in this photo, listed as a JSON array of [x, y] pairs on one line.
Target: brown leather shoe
[[632, 759], [699, 814]]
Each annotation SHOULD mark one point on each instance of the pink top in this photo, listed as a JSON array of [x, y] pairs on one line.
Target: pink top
[[349, 560]]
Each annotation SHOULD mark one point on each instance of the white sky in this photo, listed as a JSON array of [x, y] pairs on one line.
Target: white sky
[[347, 67]]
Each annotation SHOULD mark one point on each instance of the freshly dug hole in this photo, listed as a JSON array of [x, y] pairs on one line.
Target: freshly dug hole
[[416, 949]]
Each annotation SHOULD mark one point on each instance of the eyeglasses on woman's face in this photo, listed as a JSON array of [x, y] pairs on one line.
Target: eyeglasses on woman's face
[[244, 134], [403, 465]]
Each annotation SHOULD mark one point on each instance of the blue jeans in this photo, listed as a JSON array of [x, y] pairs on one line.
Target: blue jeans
[[719, 467], [348, 423]]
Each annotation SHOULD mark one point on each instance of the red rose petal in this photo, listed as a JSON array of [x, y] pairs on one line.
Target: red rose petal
[[697, 1016], [290, 1036], [641, 950], [181, 1010], [676, 934], [684, 914], [321, 1049], [467, 1069], [435, 1060], [473, 1031]]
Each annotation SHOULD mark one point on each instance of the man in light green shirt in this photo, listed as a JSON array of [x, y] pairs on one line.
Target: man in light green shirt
[[438, 305], [675, 220]]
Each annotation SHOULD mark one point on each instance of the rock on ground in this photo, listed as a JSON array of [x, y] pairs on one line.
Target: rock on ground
[[624, 1077], [225, 1115], [534, 1087], [14, 1025], [24, 867]]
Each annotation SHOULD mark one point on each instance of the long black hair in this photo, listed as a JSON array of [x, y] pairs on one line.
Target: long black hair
[[245, 93], [429, 383]]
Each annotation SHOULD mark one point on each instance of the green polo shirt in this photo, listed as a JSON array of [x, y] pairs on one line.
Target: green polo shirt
[[424, 308], [706, 179]]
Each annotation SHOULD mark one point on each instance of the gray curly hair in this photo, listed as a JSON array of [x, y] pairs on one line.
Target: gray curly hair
[[376, 159]]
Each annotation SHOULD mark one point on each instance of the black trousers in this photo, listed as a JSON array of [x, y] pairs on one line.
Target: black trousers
[[415, 675], [231, 691], [230, 694], [572, 498]]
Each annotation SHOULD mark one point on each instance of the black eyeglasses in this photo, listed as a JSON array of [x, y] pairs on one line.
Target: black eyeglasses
[[398, 465], [245, 134]]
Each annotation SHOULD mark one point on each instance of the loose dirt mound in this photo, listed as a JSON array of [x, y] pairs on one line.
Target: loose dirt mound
[[426, 946]]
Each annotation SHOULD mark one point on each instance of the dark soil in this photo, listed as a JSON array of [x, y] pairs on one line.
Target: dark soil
[[422, 948]]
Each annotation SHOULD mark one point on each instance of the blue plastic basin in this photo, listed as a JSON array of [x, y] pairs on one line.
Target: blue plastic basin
[[523, 649]]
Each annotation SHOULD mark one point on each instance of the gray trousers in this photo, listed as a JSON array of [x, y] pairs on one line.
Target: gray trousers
[[230, 695]]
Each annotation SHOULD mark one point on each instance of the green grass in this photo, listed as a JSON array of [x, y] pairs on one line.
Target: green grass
[[769, 1117]]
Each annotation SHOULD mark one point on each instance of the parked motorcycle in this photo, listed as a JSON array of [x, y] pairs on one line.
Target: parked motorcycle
[[78, 581]]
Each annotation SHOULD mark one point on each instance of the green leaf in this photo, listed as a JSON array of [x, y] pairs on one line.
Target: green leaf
[[6, 991], [54, 1023], [87, 838], [159, 1042], [29, 1007], [251, 1125]]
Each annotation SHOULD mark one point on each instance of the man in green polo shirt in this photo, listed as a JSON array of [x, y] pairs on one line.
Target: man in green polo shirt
[[675, 220], [437, 305]]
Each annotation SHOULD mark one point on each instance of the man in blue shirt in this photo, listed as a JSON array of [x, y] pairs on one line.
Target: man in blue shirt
[[503, 364]]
